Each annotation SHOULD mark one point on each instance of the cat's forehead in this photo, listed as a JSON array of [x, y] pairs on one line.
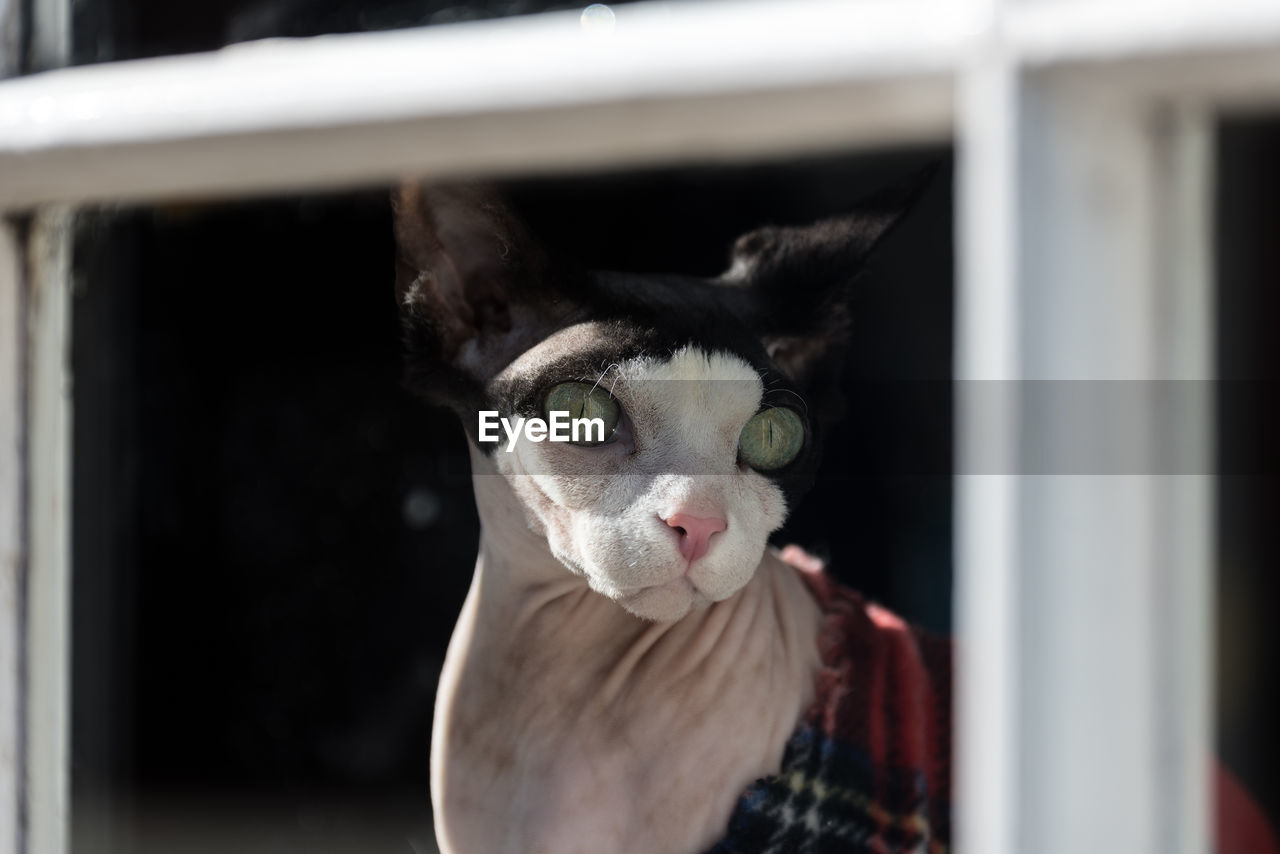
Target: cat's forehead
[[693, 365], [617, 354], [577, 351], [679, 310], [632, 319], [693, 384]]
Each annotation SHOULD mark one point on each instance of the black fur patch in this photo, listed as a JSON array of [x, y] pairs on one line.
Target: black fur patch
[[468, 272]]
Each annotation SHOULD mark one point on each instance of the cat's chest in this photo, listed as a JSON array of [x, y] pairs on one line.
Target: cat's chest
[[538, 763], [590, 790]]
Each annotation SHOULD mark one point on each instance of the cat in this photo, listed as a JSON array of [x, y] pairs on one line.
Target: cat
[[633, 666]]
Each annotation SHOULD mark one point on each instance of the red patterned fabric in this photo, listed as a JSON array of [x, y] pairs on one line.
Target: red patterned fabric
[[1241, 826], [869, 767]]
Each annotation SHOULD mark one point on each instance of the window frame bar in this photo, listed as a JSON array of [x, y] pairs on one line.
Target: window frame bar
[[992, 73]]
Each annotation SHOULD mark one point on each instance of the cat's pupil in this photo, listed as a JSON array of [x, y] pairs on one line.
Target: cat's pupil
[[771, 439], [585, 400]]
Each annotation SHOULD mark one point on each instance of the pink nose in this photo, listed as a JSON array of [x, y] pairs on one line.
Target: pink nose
[[695, 533]]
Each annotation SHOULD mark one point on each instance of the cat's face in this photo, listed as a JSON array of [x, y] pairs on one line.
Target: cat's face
[[664, 516], [705, 389]]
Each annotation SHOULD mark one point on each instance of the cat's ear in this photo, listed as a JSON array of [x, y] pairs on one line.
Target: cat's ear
[[464, 266], [800, 280], [462, 259]]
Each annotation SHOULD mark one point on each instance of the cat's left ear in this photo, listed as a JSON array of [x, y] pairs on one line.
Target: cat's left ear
[[798, 281], [470, 283], [462, 260]]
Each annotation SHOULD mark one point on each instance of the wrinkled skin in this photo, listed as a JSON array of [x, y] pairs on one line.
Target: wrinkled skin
[[566, 724]]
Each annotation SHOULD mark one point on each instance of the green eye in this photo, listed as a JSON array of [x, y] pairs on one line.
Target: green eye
[[584, 400], [771, 439]]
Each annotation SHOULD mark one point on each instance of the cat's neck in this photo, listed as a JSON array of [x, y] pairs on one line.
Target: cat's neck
[[548, 683]]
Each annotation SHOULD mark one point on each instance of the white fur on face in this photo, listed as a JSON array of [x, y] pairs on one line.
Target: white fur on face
[[602, 509]]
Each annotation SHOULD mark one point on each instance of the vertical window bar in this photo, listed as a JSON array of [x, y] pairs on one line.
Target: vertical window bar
[[12, 481], [1184, 159], [1083, 722], [48, 625], [986, 490], [12, 551]]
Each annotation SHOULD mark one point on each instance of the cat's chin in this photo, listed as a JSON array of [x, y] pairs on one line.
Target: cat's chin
[[665, 603]]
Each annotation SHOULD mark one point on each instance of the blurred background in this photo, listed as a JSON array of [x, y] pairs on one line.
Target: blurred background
[[272, 537]]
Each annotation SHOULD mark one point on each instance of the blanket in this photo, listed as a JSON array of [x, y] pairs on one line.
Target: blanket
[[868, 769]]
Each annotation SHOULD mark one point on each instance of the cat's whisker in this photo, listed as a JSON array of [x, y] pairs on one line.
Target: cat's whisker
[[604, 374], [803, 404]]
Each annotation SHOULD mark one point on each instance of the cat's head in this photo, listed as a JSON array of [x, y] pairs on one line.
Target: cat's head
[[711, 391]]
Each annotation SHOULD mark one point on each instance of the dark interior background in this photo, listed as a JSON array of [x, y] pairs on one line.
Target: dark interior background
[[1248, 424], [272, 538]]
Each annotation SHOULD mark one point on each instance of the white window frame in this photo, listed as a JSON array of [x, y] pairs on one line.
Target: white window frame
[[1084, 135]]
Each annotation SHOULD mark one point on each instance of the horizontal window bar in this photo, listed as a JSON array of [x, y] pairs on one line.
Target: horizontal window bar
[[714, 79], [693, 81]]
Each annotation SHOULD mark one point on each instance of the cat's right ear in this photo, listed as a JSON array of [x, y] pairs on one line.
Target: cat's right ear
[[464, 266], [799, 279]]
